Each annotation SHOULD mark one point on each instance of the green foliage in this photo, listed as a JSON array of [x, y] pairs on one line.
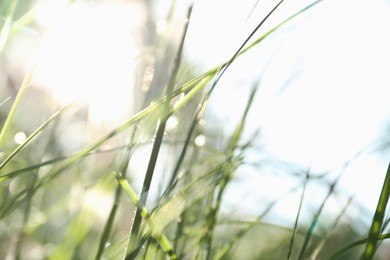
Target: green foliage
[[70, 206]]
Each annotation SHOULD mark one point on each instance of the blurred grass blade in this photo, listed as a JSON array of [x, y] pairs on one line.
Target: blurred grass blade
[[355, 244], [5, 101], [378, 218], [161, 128], [75, 235], [297, 217], [7, 24], [155, 231], [226, 249], [15, 105], [26, 19], [32, 136], [27, 169], [223, 178], [317, 251], [313, 224]]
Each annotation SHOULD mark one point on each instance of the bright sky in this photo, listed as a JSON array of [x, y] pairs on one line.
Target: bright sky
[[334, 64], [335, 60]]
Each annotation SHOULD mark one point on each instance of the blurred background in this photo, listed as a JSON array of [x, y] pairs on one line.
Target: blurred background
[[321, 110]]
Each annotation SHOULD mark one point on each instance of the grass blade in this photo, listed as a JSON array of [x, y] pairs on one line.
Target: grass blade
[[297, 217], [378, 219], [32, 136], [355, 244], [164, 242], [313, 224], [26, 82], [5, 29], [323, 242], [160, 132]]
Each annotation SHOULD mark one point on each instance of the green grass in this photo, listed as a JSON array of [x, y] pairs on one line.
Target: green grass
[[48, 198]]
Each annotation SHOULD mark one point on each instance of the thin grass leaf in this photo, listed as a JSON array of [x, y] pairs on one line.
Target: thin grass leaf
[[94, 146], [11, 203], [313, 224], [26, 19], [241, 48], [195, 190], [26, 82], [297, 217], [225, 175], [160, 131], [118, 192], [108, 226], [28, 169], [208, 75], [376, 224], [33, 135], [317, 251], [227, 248], [5, 101], [7, 24]]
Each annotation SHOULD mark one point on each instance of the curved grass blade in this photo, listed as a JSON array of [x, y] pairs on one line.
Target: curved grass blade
[[219, 68], [26, 82], [376, 225], [222, 71]]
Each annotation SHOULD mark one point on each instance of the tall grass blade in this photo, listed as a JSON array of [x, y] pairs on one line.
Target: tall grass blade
[[160, 132], [376, 225]]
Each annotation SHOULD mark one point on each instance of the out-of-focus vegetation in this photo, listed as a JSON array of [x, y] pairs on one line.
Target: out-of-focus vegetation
[[153, 186]]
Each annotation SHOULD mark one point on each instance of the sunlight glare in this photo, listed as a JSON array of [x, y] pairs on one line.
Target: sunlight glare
[[20, 137], [89, 54]]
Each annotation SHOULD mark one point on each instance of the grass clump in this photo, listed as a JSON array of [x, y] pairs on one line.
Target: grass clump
[[60, 205]]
